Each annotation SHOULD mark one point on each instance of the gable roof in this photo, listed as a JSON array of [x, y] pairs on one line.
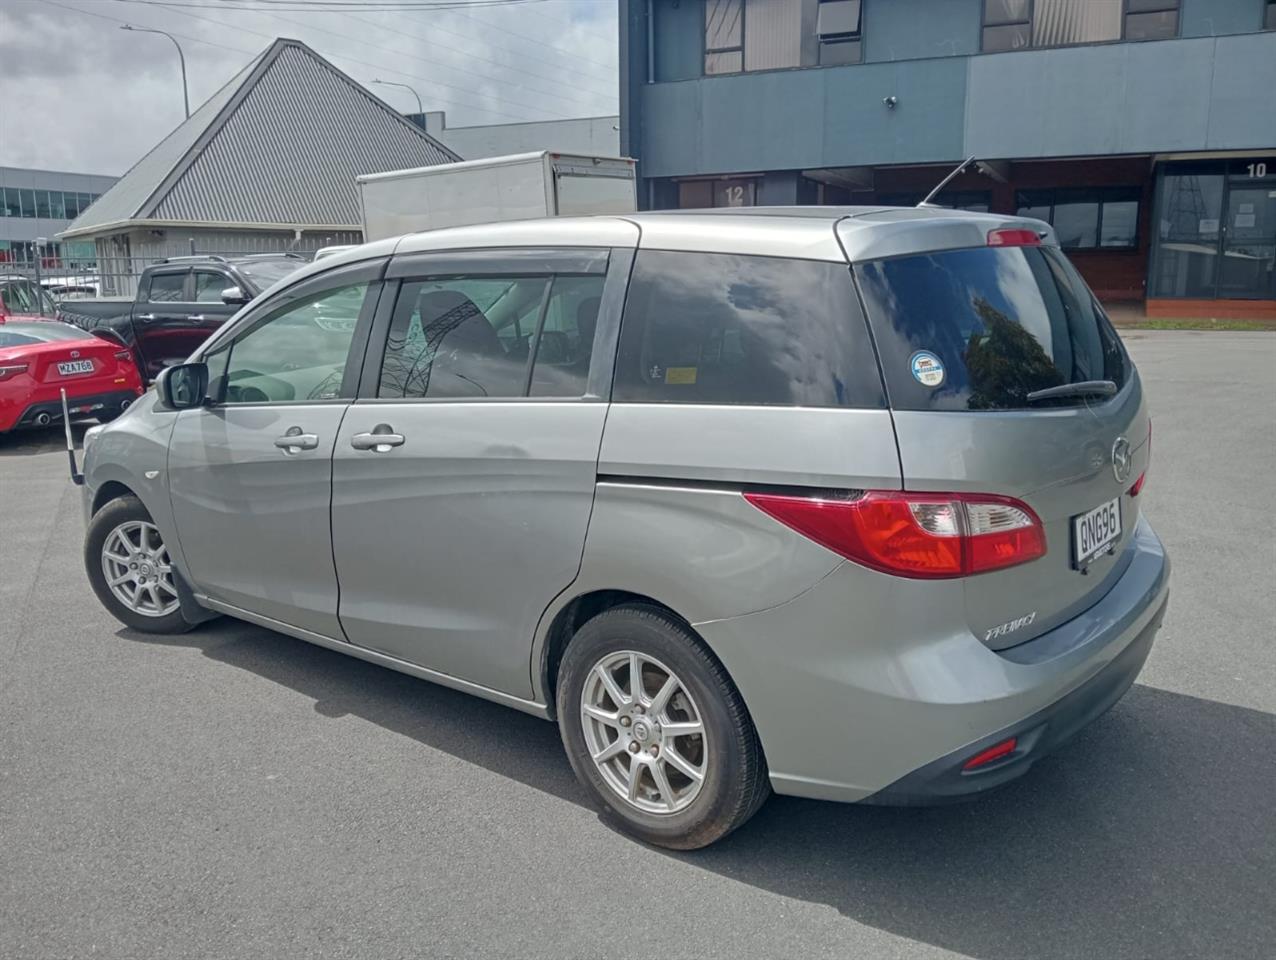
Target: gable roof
[[281, 143]]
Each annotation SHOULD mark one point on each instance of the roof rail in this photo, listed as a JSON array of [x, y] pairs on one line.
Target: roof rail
[[197, 256], [290, 254]]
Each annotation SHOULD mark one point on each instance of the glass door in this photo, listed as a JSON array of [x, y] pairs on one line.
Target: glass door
[[1247, 268]]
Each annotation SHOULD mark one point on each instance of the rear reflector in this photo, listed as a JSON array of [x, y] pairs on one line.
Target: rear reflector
[[1005, 748], [1014, 238], [1138, 484], [915, 535]]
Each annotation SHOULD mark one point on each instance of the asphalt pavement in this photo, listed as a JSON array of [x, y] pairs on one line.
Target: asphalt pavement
[[237, 793]]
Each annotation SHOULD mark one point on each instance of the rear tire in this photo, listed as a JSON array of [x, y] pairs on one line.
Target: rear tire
[[130, 570], [690, 788]]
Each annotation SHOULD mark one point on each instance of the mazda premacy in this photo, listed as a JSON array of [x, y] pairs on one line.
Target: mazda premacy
[[840, 503]]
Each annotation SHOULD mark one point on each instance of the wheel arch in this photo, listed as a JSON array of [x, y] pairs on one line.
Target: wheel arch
[[111, 490]]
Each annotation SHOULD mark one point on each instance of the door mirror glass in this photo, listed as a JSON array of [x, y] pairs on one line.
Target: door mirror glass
[[234, 296], [183, 386]]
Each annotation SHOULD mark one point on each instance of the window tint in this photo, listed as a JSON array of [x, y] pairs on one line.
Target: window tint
[[167, 287], [1003, 322], [462, 337], [720, 328], [567, 338], [265, 273], [23, 296], [11, 339], [298, 352], [209, 286]]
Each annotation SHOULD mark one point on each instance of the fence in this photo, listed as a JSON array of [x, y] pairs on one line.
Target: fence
[[116, 274]]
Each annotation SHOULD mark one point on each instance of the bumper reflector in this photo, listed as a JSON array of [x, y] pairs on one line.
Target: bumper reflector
[[996, 752]]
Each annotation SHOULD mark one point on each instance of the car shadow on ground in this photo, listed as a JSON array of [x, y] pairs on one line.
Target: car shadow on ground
[[1153, 834]]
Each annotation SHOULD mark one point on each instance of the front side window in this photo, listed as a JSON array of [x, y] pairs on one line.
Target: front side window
[[209, 286], [1086, 219], [728, 329], [298, 352], [1002, 322], [167, 287], [485, 336]]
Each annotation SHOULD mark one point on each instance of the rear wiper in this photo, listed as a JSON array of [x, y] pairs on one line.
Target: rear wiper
[[1086, 388]]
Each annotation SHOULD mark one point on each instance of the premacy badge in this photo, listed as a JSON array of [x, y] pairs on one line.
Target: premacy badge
[[928, 369]]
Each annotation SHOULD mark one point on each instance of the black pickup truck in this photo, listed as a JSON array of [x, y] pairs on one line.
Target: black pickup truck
[[180, 302]]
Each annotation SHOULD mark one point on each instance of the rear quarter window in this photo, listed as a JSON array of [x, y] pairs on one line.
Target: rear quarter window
[[985, 327], [727, 329]]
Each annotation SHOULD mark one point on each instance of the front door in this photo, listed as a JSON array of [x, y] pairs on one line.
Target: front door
[[250, 474], [1247, 269], [160, 319], [464, 474]]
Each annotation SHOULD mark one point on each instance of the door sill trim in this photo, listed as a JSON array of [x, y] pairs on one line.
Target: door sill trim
[[380, 659]]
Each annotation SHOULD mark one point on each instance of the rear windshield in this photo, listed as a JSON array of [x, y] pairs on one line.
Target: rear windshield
[[265, 273], [46, 332], [980, 329], [725, 329]]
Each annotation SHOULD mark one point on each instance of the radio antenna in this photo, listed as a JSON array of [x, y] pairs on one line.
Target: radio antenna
[[943, 183]]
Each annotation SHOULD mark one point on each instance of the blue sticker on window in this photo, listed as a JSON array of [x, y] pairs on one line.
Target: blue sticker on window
[[928, 369]]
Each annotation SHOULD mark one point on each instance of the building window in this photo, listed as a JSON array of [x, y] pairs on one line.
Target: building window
[[1007, 25], [1269, 23], [744, 35], [723, 36], [1018, 24], [838, 28], [10, 206], [26, 199], [1086, 219], [702, 194], [1151, 19]]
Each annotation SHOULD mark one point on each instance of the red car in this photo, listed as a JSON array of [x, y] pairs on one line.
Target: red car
[[39, 358]]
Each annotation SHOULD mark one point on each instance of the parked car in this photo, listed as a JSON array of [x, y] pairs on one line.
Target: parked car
[[180, 302], [21, 299], [40, 359], [840, 503]]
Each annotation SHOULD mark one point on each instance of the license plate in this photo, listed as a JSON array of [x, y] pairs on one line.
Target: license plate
[[72, 367], [1094, 531]]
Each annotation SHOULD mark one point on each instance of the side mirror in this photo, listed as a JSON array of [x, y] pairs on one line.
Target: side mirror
[[234, 296], [183, 386]]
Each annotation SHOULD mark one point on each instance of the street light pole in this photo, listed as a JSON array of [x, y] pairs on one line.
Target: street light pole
[[186, 99], [419, 109]]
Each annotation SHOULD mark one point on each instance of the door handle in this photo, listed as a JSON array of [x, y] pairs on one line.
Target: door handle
[[145, 316], [294, 441], [196, 318], [380, 440]]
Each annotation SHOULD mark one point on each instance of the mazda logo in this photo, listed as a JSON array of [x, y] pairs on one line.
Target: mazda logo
[[1122, 459]]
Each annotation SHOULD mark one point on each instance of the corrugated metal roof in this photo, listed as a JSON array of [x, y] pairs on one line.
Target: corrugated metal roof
[[281, 143]]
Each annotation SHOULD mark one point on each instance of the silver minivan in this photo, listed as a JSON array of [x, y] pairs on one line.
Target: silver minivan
[[840, 503]]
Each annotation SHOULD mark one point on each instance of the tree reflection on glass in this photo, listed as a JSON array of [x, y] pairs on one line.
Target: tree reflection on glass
[[1004, 362]]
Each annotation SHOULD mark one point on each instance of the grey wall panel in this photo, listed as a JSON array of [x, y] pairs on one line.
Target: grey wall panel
[[909, 29], [1194, 94]]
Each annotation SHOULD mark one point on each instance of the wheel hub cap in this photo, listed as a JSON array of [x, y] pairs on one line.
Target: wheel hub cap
[[644, 732], [137, 568]]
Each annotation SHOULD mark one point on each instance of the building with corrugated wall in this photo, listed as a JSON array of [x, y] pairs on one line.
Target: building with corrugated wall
[[267, 163]]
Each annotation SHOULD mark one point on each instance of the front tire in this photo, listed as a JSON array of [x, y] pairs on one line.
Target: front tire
[[672, 759], [130, 570]]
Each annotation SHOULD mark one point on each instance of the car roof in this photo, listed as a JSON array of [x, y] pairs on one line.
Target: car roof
[[829, 233]]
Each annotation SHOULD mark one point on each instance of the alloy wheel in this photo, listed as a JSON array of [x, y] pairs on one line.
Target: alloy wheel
[[138, 570]]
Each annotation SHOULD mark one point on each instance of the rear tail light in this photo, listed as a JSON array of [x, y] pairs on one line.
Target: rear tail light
[[12, 370], [916, 535], [1014, 238], [1137, 487], [123, 355]]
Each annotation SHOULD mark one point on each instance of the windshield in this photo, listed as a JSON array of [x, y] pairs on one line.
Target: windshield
[[265, 273], [13, 334], [20, 295], [981, 329]]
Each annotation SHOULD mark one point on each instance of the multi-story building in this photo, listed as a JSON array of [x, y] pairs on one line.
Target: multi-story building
[[597, 136], [1143, 130], [39, 204]]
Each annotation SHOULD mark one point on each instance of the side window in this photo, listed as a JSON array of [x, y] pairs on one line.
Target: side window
[[167, 288], [722, 328], [297, 352], [209, 286], [475, 336], [567, 337]]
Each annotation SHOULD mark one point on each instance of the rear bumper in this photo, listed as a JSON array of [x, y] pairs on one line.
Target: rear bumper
[[945, 779], [33, 414], [862, 688]]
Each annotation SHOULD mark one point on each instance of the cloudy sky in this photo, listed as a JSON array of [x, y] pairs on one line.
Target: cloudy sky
[[81, 94]]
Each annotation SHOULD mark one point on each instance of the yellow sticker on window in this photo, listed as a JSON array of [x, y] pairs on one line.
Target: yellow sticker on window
[[680, 375]]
